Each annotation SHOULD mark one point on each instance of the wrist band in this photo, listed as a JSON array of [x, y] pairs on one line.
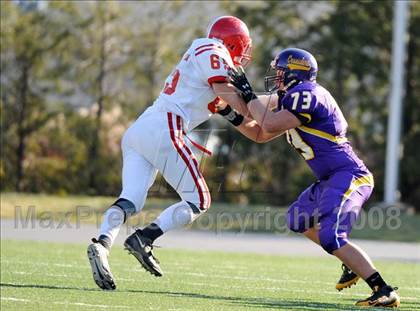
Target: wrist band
[[235, 118], [232, 116], [225, 111]]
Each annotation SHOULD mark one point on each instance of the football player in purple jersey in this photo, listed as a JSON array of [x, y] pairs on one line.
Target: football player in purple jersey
[[314, 125]]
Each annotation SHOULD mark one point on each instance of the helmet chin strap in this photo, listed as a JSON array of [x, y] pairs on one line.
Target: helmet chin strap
[[281, 93], [292, 84]]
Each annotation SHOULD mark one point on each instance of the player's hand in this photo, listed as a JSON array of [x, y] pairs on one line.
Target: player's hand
[[280, 94], [238, 78]]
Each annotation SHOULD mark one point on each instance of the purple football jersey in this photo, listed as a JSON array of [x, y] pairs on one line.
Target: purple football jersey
[[321, 139]]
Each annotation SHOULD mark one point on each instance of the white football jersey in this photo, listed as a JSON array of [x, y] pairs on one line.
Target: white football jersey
[[187, 91]]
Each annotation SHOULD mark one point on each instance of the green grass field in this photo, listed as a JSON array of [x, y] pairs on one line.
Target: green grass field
[[47, 276]]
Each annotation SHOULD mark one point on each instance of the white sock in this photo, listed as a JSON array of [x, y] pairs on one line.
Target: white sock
[[112, 221], [175, 216]]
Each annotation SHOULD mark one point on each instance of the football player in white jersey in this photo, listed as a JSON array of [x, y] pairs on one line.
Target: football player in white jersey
[[194, 91]]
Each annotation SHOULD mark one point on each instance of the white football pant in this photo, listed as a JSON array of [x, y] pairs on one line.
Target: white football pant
[[155, 142]]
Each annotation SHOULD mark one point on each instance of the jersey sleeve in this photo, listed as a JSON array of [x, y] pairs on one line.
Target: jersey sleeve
[[213, 63], [301, 103]]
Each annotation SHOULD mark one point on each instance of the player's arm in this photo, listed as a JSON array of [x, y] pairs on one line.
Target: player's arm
[[227, 92], [253, 131], [270, 101], [249, 127], [213, 64], [270, 121], [245, 125]]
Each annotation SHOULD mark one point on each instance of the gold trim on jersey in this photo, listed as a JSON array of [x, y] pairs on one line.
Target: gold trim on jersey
[[366, 180], [322, 134], [307, 116], [294, 138]]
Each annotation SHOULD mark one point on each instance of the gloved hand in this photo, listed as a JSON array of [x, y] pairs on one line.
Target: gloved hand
[[238, 78]]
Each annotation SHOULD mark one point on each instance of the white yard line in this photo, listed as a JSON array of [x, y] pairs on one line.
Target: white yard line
[[248, 278], [277, 289], [91, 305], [15, 299], [251, 288], [67, 303], [177, 272]]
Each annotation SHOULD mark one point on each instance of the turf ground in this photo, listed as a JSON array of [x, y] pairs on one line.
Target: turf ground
[[47, 276]]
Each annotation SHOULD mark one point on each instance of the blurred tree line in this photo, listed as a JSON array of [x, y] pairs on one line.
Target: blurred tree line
[[74, 75]]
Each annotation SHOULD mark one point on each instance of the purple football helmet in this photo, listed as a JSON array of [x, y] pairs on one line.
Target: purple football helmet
[[291, 66]]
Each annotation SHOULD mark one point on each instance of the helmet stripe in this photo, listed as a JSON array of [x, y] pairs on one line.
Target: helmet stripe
[[298, 67]]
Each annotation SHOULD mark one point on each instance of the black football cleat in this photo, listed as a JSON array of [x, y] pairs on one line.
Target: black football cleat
[[98, 259], [141, 247], [348, 278], [385, 297]]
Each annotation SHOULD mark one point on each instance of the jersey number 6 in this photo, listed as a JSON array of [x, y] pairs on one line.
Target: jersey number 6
[[215, 61]]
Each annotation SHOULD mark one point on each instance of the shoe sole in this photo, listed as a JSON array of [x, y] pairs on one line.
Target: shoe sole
[[394, 304], [139, 257], [348, 284], [102, 278]]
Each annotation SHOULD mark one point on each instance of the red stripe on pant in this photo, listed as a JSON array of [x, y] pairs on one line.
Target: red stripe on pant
[[195, 162], [185, 158]]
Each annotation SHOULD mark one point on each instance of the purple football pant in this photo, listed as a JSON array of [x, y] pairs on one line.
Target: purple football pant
[[334, 204]]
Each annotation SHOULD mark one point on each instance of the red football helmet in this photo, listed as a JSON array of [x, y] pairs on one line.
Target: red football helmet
[[235, 36]]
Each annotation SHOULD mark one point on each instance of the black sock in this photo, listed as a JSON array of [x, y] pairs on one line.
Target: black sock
[[152, 231], [105, 241], [375, 280]]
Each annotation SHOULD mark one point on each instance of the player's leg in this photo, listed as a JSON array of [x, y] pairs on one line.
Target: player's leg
[[302, 218], [180, 169], [301, 214], [313, 234], [335, 226], [137, 177], [182, 172], [348, 278], [359, 261]]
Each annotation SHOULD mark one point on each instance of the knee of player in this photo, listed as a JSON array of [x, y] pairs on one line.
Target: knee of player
[[185, 214], [128, 207], [331, 241], [298, 221], [132, 201]]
